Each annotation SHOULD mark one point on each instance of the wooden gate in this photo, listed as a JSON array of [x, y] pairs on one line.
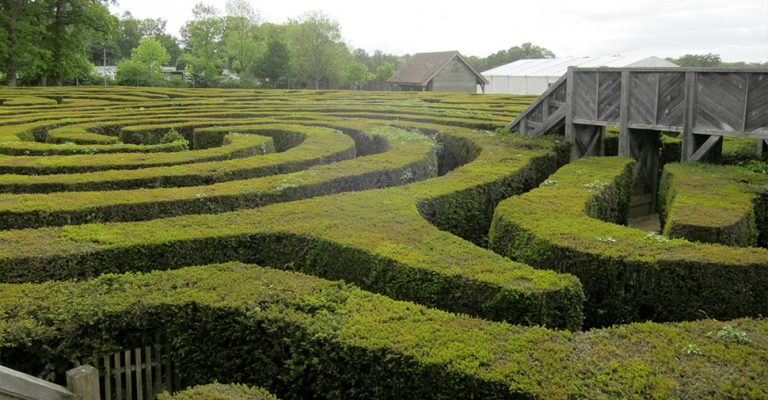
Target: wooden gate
[[137, 374]]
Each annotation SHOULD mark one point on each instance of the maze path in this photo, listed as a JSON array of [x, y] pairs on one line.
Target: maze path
[[391, 192]]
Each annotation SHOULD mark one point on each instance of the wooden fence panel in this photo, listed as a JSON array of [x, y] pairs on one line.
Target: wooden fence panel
[[609, 96], [642, 98], [720, 101], [671, 99], [757, 103], [138, 374], [585, 96]]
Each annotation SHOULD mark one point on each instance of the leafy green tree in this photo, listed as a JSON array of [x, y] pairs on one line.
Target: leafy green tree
[[202, 39], [317, 51], [130, 72], [357, 74], [72, 25], [241, 41], [22, 24], [698, 60], [376, 60], [384, 72], [145, 63], [275, 63], [171, 45], [523, 52], [128, 33]]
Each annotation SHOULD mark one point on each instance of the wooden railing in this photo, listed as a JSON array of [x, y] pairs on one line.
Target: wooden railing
[[82, 384], [137, 374], [545, 115], [704, 104]]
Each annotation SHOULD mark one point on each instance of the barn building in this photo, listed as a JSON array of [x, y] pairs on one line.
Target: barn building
[[534, 76], [445, 71]]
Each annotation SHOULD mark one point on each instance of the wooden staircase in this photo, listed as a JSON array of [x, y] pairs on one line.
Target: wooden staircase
[[705, 104], [545, 115]]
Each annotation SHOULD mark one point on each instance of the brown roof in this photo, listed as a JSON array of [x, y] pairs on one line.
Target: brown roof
[[422, 67]]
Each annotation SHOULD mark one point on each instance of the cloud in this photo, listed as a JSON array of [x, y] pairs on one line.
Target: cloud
[[735, 30]]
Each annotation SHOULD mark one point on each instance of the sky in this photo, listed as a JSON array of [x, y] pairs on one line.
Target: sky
[[736, 29]]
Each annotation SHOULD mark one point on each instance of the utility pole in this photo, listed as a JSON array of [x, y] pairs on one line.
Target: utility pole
[[105, 64]]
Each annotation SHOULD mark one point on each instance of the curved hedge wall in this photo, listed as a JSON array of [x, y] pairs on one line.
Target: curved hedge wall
[[714, 204], [305, 337], [628, 274], [370, 214]]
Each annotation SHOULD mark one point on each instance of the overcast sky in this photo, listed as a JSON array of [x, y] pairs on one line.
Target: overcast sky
[[736, 29]]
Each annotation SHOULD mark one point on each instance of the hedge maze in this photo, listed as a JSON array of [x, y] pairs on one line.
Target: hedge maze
[[367, 245]]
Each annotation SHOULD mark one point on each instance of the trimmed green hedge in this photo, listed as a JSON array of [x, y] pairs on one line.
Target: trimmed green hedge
[[218, 391], [303, 337], [713, 204], [409, 158], [628, 275], [468, 213], [236, 146], [63, 149], [317, 146], [376, 239]]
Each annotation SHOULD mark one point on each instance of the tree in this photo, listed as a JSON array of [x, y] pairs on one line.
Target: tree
[[144, 66], [317, 51], [357, 74], [384, 72], [171, 45], [72, 26], [523, 52], [698, 60], [241, 41], [22, 24], [130, 72], [275, 63], [128, 33], [145, 63], [202, 39]]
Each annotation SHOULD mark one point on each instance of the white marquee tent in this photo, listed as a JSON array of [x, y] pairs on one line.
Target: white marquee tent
[[535, 76]]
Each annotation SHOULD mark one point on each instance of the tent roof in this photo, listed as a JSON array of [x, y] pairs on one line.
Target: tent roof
[[559, 66]]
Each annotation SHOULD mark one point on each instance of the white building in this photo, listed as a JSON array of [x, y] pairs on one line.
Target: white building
[[110, 71], [535, 76]]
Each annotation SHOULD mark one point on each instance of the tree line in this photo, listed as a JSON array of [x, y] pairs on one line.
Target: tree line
[[56, 42]]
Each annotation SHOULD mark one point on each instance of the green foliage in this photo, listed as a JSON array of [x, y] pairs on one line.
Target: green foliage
[[318, 53], [219, 391], [733, 335], [240, 38], [412, 266], [698, 60], [275, 63], [556, 226], [171, 136], [713, 204], [202, 39], [384, 72], [144, 65], [301, 336], [522, 52], [304, 337]]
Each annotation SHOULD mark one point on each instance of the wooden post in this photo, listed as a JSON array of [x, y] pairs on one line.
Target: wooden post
[[625, 146], [689, 143], [84, 382], [570, 134]]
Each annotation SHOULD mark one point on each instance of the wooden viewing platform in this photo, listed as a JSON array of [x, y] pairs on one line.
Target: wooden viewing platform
[[704, 104]]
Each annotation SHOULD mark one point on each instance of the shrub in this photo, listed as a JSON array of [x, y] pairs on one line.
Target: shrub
[[634, 276], [304, 337]]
